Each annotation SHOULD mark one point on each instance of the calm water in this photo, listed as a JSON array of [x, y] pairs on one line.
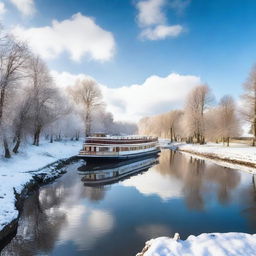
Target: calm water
[[178, 194]]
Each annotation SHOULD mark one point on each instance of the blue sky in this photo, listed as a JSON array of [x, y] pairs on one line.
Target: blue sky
[[217, 42]]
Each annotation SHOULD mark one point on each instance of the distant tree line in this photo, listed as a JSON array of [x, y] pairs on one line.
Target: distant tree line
[[32, 106], [201, 120]]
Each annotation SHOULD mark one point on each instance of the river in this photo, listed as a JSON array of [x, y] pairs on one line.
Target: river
[[177, 193]]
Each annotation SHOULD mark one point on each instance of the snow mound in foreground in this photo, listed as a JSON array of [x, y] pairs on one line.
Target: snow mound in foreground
[[213, 244]]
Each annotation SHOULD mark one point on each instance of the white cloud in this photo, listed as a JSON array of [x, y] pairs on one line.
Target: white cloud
[[132, 102], [26, 7], [64, 79], [154, 96], [96, 223], [161, 32], [79, 36], [2, 8], [154, 183], [150, 12], [152, 19]]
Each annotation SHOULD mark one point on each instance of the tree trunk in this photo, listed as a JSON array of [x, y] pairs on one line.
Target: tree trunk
[[34, 141], [254, 130], [87, 123], [2, 96], [77, 136], [254, 120], [87, 129], [51, 139], [17, 145], [171, 133], [37, 136], [198, 138], [202, 140], [7, 153], [228, 141]]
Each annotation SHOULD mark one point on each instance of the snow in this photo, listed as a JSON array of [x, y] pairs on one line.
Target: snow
[[19, 170], [237, 152], [212, 244]]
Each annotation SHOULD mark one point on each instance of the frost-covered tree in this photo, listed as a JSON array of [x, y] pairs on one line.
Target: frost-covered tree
[[87, 94], [13, 56], [196, 104], [228, 123], [174, 119], [212, 132], [21, 120], [47, 103], [249, 102], [70, 126]]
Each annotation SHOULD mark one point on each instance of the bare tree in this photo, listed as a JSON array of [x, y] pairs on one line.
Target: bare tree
[[103, 122], [41, 93], [212, 131], [228, 124], [21, 120], [174, 123], [197, 101], [72, 125], [249, 101], [13, 56], [86, 93], [47, 104]]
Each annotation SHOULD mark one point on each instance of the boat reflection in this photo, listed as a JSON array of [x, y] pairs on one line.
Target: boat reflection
[[109, 173]]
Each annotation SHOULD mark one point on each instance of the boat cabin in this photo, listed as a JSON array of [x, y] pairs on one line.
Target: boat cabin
[[115, 146]]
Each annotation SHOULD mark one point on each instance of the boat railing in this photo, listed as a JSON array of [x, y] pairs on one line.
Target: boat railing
[[121, 141], [101, 153]]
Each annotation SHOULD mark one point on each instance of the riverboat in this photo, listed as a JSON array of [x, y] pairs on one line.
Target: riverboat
[[109, 173], [119, 147]]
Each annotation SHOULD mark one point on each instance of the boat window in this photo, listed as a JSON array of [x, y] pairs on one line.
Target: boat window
[[103, 149]]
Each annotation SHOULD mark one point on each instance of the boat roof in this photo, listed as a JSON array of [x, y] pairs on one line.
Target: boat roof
[[120, 140]]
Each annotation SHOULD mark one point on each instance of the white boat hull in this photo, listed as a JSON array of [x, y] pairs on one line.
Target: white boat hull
[[119, 157]]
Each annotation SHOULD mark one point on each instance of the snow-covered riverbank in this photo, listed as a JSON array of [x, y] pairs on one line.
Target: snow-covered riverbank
[[213, 244], [236, 154], [18, 171]]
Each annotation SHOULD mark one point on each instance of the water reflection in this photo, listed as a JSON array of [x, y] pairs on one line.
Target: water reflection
[[153, 230], [178, 175], [53, 215], [109, 173], [95, 193], [177, 194], [38, 230]]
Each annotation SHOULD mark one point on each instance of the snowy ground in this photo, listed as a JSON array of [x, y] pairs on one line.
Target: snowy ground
[[236, 153], [214, 244], [17, 171]]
